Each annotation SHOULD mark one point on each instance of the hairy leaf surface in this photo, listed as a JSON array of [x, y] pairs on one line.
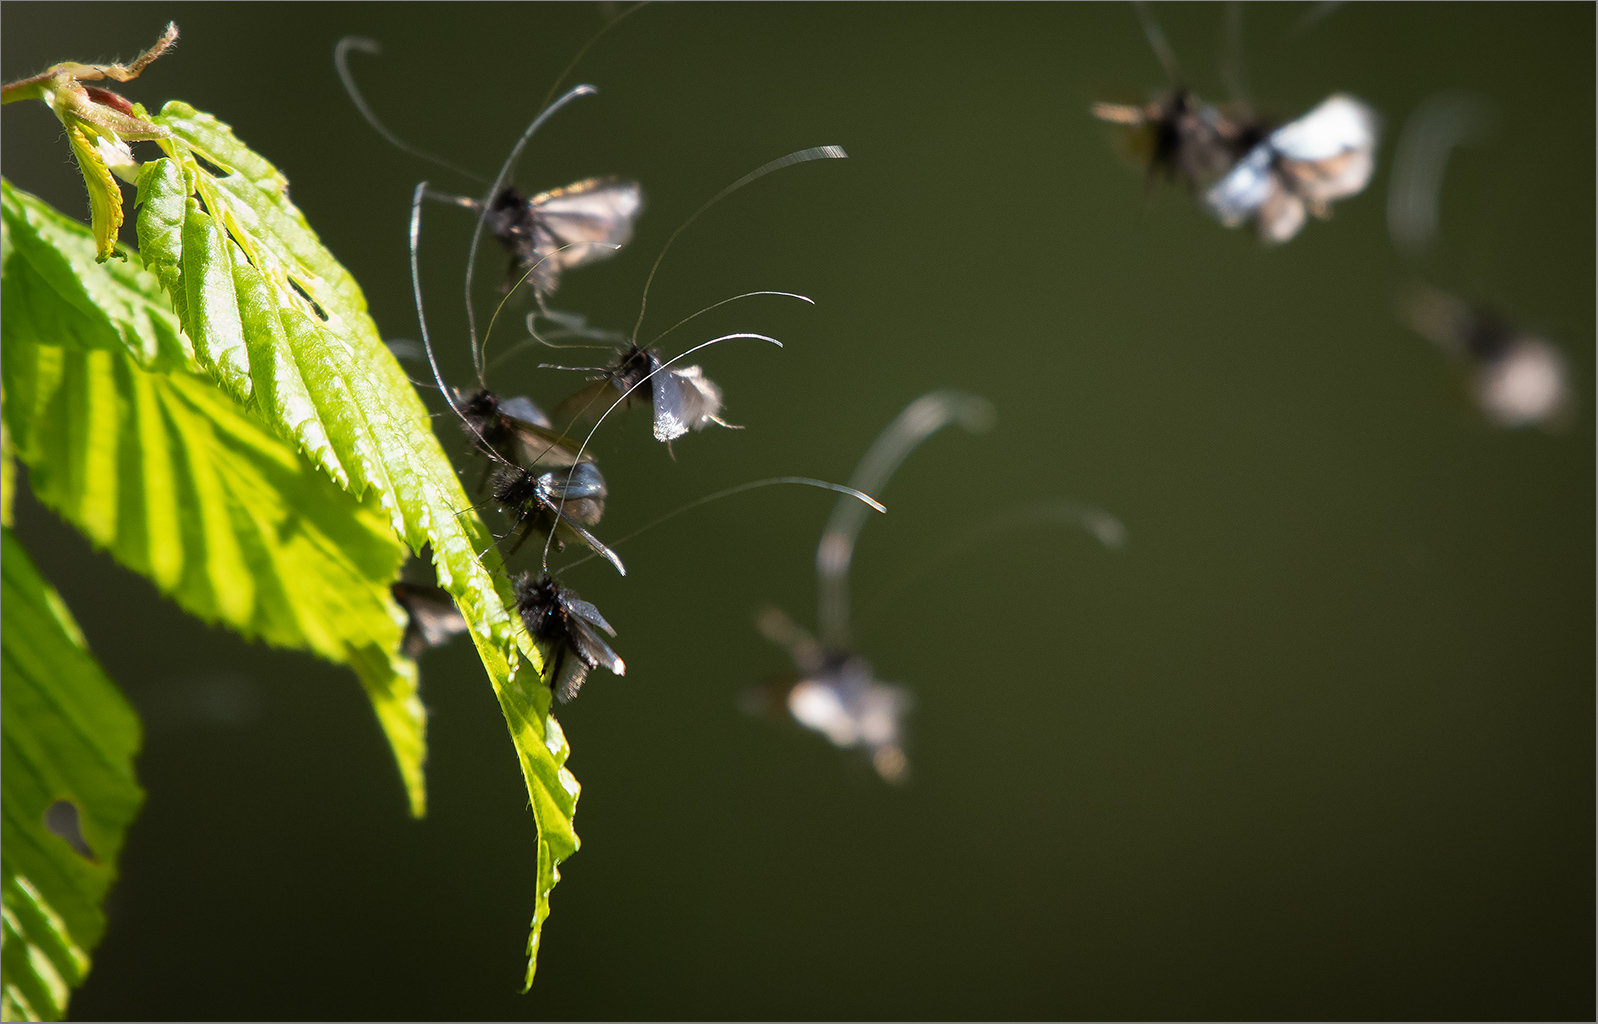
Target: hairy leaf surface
[[68, 736]]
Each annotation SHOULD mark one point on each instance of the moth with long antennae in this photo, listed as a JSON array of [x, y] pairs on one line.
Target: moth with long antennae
[[683, 399], [836, 692], [543, 231], [533, 501]]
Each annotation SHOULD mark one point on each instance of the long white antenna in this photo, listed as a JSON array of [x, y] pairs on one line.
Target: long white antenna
[[729, 492], [341, 60], [505, 172], [799, 157]]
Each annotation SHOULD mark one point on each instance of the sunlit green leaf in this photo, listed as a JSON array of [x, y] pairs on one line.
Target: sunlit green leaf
[[283, 329], [184, 487], [68, 736], [301, 349]]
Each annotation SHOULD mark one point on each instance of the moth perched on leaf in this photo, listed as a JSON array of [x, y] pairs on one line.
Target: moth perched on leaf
[[561, 504], [515, 430], [565, 625], [1303, 166]]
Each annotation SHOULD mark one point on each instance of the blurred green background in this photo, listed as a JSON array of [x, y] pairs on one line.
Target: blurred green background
[[1318, 743]]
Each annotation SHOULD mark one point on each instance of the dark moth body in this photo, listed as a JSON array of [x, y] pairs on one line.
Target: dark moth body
[[515, 431], [563, 502], [1183, 139], [564, 625]]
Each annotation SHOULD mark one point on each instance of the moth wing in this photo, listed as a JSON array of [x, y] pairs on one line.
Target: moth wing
[[592, 401], [522, 408], [1329, 153], [570, 673], [594, 650], [673, 414], [1281, 217], [433, 620], [577, 606], [582, 497], [1341, 123], [587, 220], [701, 396], [544, 448], [1244, 189], [593, 543]]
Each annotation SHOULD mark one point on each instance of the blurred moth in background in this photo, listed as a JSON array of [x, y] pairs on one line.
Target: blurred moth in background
[[432, 620], [1305, 165], [1517, 378], [1176, 136], [564, 625], [836, 692]]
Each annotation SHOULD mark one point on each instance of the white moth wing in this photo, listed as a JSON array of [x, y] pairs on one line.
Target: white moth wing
[[1341, 123], [587, 220], [1330, 152], [1281, 217], [1244, 189], [701, 396], [672, 416]]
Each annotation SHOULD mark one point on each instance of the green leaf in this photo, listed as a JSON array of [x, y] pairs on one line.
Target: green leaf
[[68, 735], [283, 328], [184, 487], [319, 373]]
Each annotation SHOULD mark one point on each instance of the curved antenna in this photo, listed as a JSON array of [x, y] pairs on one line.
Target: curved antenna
[[341, 60], [1103, 526], [806, 481], [1157, 41], [505, 171], [416, 289], [1233, 71], [1441, 123], [582, 51], [792, 295], [628, 393], [920, 420], [421, 317], [798, 157]]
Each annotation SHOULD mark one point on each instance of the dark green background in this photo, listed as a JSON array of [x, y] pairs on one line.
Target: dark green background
[[1318, 743]]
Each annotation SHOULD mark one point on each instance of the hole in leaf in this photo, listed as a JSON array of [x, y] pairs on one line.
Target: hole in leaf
[[214, 170], [307, 297], [61, 818]]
